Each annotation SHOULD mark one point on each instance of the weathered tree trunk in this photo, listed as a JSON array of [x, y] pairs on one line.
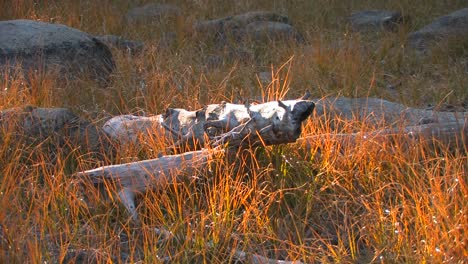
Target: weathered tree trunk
[[227, 122], [450, 134], [268, 123], [381, 112], [137, 177], [236, 125]]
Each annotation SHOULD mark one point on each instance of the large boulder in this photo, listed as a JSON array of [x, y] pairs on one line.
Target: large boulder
[[70, 53], [451, 27], [256, 26], [60, 126], [152, 13], [375, 20]]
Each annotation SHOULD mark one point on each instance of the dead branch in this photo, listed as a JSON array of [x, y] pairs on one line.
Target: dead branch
[[173, 125], [126, 129], [141, 176], [268, 123]]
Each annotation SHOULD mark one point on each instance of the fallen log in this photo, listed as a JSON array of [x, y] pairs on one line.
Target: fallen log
[[237, 125], [268, 123], [225, 122], [174, 123], [451, 134], [381, 112], [141, 176]]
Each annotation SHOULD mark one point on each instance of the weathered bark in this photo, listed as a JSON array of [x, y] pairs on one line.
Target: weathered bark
[[225, 122], [450, 134], [268, 123], [381, 112], [140, 176], [172, 125], [233, 124]]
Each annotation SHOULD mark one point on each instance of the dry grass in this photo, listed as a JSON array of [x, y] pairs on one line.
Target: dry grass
[[370, 203]]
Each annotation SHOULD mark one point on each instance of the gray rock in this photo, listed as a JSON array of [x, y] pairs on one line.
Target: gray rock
[[262, 31], [59, 125], [118, 42], [375, 20], [247, 26], [256, 16], [230, 55], [153, 13], [232, 23], [67, 51], [449, 27]]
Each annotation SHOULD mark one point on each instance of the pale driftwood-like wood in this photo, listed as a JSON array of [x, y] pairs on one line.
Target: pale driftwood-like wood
[[381, 112], [226, 122], [233, 124], [450, 134], [267, 123], [140, 176], [126, 129], [171, 126]]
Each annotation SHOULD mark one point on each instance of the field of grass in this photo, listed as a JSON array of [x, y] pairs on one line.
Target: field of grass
[[366, 204]]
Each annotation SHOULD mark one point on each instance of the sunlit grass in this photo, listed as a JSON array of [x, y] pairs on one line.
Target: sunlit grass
[[386, 201]]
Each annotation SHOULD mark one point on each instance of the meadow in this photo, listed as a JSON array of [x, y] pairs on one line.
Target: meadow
[[389, 203]]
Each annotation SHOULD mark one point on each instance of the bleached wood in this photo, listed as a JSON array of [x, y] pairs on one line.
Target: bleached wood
[[451, 134], [269, 123], [172, 125], [381, 112], [233, 122], [141, 176], [126, 129]]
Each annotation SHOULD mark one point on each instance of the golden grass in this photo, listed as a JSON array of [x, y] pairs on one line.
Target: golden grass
[[388, 203]]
